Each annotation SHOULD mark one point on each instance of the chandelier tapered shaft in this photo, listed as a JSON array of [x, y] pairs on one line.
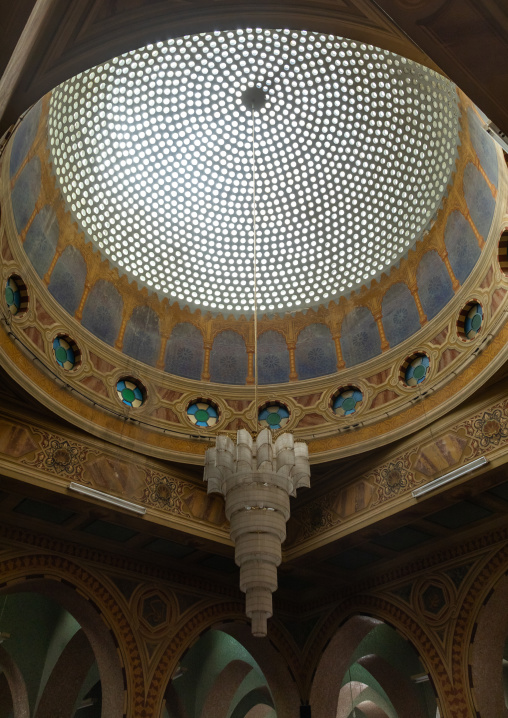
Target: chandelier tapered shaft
[[257, 477]]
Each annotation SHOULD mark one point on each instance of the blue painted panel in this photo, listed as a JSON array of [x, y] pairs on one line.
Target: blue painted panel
[[142, 339], [484, 146], [24, 137], [315, 353], [360, 338], [41, 240], [434, 283], [102, 313], [185, 352], [228, 359], [273, 358], [68, 279], [25, 193], [461, 245], [400, 315], [480, 202]]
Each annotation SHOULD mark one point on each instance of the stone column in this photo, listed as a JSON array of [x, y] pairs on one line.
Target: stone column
[[293, 374], [341, 364], [205, 376], [250, 364], [378, 317], [413, 288], [446, 259], [86, 291]]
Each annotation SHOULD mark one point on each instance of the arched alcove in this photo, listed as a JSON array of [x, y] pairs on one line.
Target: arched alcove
[[360, 338], [315, 353], [228, 359], [142, 337], [57, 638], [67, 280], [368, 663], [185, 351], [41, 239], [488, 655], [273, 358], [102, 314]]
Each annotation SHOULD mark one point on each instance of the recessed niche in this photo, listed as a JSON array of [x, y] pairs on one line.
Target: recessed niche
[[470, 320], [346, 401], [273, 415], [66, 352], [16, 295], [131, 392], [203, 413], [415, 369]]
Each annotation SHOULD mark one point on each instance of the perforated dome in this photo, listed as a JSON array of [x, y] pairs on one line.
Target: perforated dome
[[354, 149]]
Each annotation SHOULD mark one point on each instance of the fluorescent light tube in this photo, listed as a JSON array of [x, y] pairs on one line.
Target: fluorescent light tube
[[107, 498], [420, 678], [449, 477]]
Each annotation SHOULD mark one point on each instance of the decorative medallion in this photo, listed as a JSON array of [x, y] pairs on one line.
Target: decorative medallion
[[203, 413], [470, 320], [62, 456], [131, 392], [273, 415], [415, 369], [346, 400], [16, 295], [67, 354], [491, 428]]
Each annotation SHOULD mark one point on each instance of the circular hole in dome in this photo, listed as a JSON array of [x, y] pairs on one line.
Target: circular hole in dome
[[346, 400], [503, 253], [273, 415], [131, 392], [415, 369], [470, 320], [66, 352], [16, 295], [203, 413]]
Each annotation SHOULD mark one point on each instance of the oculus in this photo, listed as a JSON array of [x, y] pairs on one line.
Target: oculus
[[66, 352], [415, 369], [346, 401], [470, 320], [203, 413], [16, 295], [273, 415], [131, 392]]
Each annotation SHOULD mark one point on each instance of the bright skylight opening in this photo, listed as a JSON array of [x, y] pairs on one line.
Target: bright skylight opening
[[355, 147]]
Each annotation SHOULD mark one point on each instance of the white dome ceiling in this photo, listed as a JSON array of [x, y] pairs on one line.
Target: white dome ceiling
[[354, 148]]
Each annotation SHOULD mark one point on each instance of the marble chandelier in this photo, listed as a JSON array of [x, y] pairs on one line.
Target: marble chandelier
[[257, 475]]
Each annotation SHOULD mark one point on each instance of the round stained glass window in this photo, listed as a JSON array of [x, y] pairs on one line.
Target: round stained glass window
[[347, 401], [354, 147], [273, 415], [131, 392], [203, 413], [470, 320], [415, 369], [66, 352], [16, 295]]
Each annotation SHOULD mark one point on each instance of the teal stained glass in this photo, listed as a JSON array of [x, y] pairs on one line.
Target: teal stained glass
[[65, 352], [13, 296], [274, 416], [203, 414], [130, 393], [417, 370], [347, 401], [473, 321]]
